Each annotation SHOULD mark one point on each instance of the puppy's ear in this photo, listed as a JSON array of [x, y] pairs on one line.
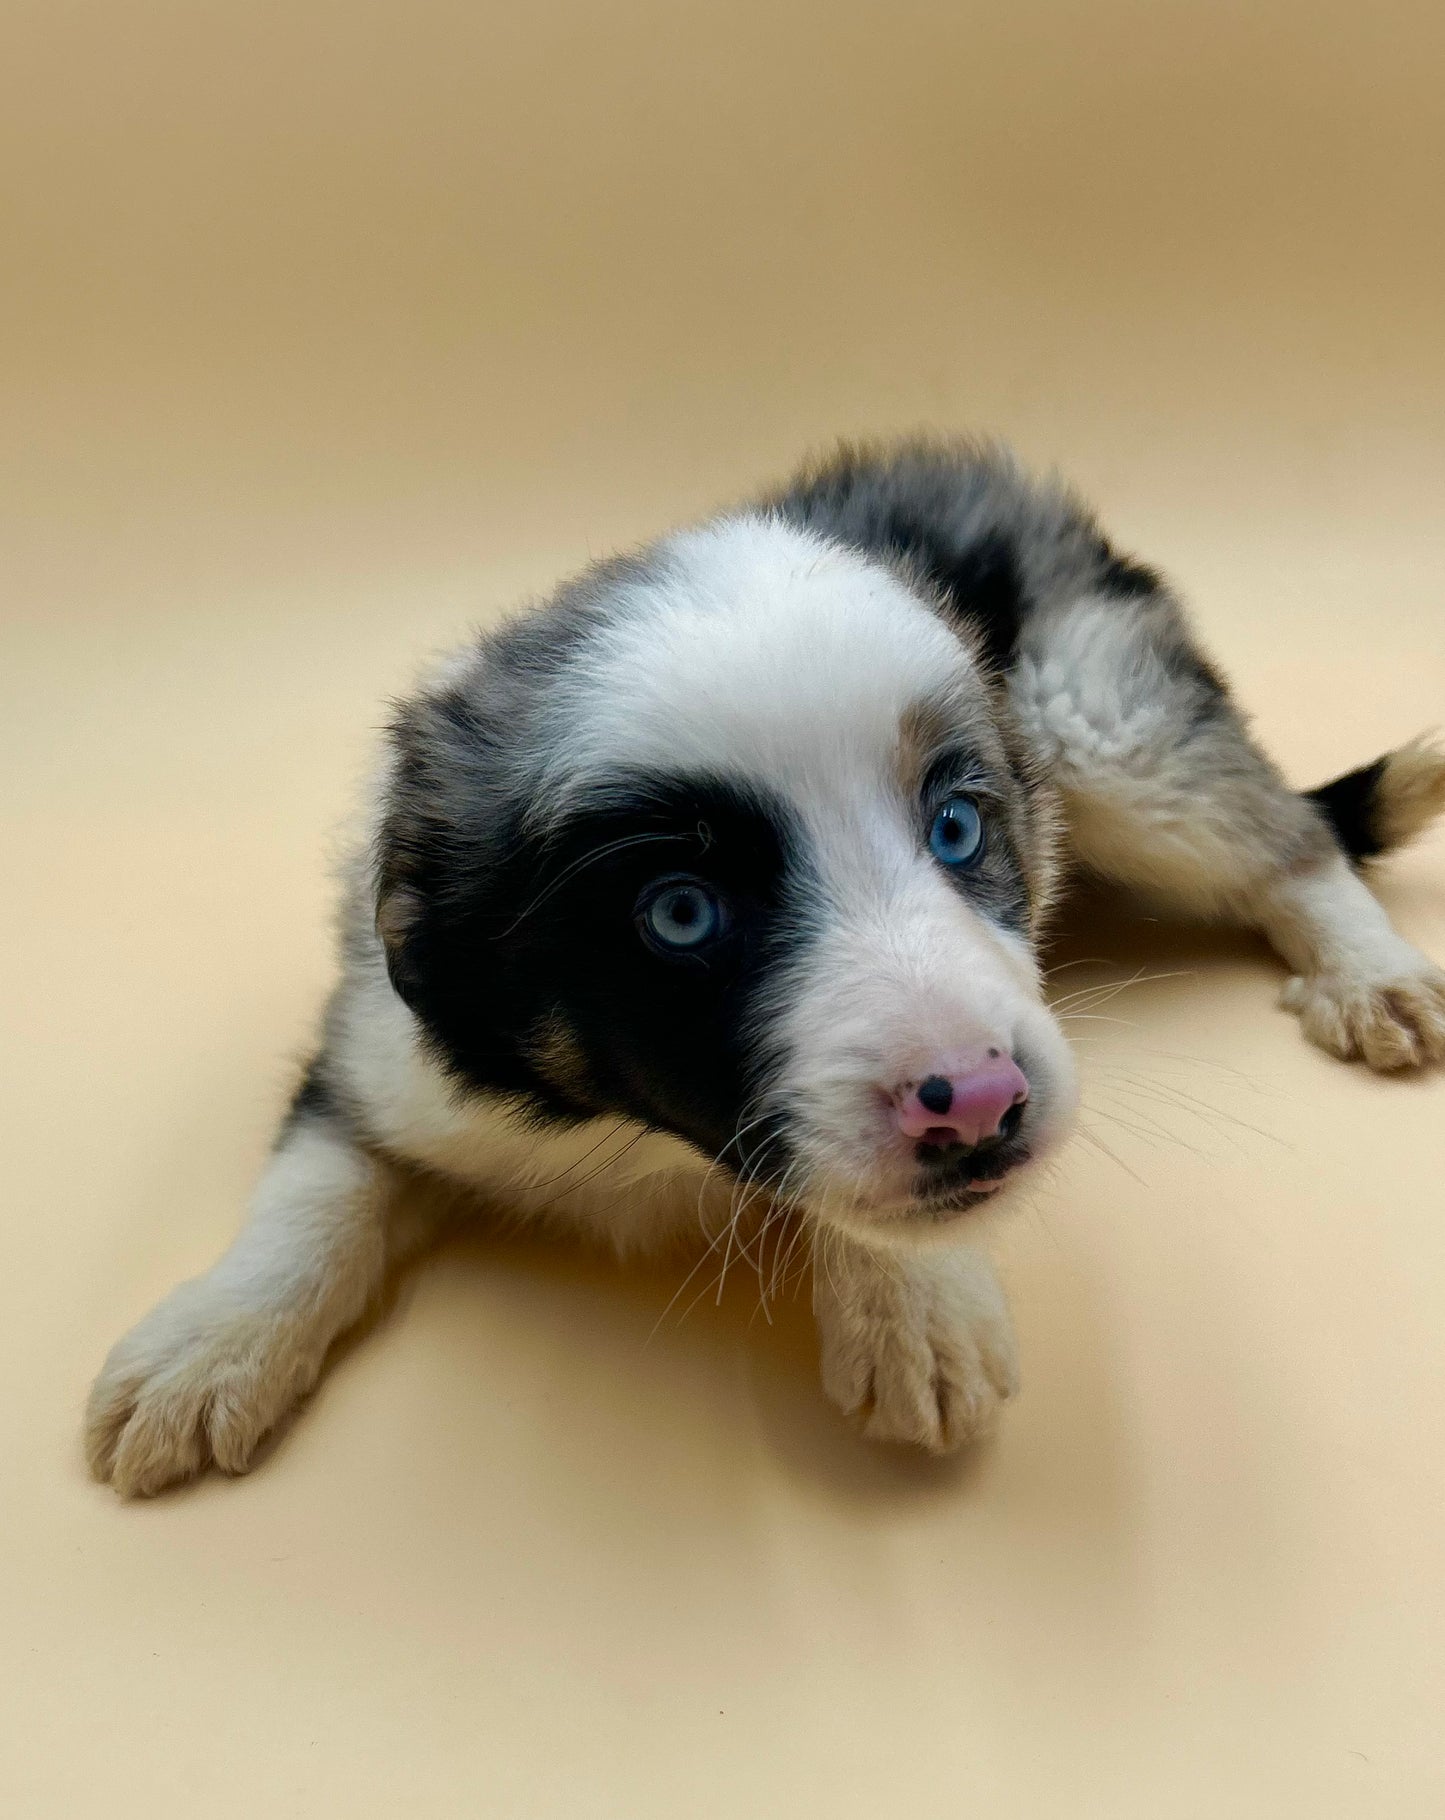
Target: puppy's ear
[[463, 750], [440, 844], [398, 919], [432, 827]]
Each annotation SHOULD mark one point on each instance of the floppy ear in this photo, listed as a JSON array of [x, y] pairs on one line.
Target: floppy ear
[[447, 851], [398, 917], [449, 859], [441, 809]]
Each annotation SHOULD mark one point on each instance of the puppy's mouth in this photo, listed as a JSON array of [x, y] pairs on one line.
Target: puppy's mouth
[[951, 1182], [932, 1182], [947, 1188]]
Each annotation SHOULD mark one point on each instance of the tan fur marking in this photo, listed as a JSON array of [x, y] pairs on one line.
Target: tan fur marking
[[554, 1051], [1039, 827], [923, 733]]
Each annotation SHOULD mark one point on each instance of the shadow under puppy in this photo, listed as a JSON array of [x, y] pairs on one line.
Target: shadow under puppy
[[711, 894]]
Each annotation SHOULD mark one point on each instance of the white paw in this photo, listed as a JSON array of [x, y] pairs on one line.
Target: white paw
[[1390, 1022], [917, 1349], [198, 1380]]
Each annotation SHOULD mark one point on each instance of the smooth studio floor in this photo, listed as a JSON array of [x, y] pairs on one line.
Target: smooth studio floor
[[329, 330]]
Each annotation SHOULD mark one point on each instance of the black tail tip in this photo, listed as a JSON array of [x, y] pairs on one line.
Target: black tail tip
[[1380, 806]]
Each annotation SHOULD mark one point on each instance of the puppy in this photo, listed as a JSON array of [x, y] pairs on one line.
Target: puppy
[[710, 896]]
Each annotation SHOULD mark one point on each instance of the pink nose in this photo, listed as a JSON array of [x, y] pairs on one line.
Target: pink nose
[[966, 1108]]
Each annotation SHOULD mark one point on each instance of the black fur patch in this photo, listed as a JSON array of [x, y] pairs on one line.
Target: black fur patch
[[918, 510], [981, 581], [1349, 807], [513, 932], [511, 936], [1126, 579]]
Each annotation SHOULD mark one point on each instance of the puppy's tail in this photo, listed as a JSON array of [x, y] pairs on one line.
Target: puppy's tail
[[1383, 805]]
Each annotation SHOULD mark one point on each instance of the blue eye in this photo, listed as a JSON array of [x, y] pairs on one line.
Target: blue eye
[[680, 915], [957, 836]]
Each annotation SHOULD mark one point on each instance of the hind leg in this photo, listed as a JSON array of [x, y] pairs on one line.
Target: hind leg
[[1165, 792]]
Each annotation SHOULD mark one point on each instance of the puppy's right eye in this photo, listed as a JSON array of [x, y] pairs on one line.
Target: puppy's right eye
[[957, 835], [680, 915]]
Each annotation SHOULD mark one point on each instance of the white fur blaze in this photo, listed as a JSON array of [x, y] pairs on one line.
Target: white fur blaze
[[903, 972]]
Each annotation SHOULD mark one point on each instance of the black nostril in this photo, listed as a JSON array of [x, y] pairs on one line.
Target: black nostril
[[936, 1094], [1011, 1120]]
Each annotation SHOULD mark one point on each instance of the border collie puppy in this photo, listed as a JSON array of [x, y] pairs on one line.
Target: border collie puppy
[[709, 896]]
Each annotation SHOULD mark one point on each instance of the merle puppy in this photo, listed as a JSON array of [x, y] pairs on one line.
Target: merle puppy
[[710, 895]]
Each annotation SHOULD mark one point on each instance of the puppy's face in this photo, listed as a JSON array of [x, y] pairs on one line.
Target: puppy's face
[[749, 859]]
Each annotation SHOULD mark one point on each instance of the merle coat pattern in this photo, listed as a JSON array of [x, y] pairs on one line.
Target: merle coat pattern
[[706, 901]]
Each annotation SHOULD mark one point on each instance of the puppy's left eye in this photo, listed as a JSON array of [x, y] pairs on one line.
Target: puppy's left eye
[[680, 915], [957, 835]]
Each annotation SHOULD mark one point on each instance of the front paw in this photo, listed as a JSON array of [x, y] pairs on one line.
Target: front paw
[[916, 1349], [1390, 1023], [198, 1380]]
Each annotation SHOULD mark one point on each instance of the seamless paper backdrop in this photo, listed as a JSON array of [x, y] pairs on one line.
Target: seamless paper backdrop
[[329, 330]]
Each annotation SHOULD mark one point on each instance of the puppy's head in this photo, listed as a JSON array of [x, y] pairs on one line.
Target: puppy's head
[[735, 839]]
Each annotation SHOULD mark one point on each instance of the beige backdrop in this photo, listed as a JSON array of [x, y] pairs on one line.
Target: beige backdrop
[[330, 328]]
